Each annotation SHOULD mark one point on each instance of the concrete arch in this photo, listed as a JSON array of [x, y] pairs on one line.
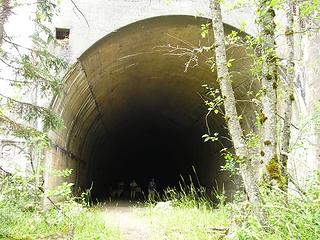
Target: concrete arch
[[131, 111]]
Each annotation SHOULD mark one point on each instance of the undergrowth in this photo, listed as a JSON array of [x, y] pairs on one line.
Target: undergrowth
[[22, 217], [190, 214], [187, 213], [297, 219]]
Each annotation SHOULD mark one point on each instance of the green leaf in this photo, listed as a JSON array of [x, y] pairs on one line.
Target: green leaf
[[274, 3], [229, 63]]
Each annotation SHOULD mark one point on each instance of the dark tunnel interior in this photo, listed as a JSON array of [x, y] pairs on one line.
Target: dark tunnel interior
[[146, 144], [132, 111]]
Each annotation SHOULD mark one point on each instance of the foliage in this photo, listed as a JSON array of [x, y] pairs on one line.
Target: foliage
[[263, 54], [297, 219], [32, 70], [230, 165], [194, 217], [191, 215], [22, 217], [316, 116], [36, 70], [310, 8]]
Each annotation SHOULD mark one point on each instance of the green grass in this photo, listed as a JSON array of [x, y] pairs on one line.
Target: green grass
[[300, 219], [186, 223], [91, 225], [73, 219], [21, 215], [192, 215]]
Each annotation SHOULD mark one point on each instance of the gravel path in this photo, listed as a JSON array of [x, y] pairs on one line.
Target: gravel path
[[124, 216]]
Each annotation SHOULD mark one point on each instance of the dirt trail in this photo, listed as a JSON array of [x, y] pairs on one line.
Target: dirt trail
[[124, 216]]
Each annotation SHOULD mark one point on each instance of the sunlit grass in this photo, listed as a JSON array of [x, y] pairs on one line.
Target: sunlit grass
[[187, 223], [187, 213], [73, 220]]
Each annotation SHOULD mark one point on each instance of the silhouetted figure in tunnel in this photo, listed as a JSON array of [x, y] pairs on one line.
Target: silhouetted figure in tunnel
[[151, 189], [120, 189], [133, 188]]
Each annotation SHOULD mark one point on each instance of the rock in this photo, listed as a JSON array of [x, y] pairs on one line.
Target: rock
[[165, 206]]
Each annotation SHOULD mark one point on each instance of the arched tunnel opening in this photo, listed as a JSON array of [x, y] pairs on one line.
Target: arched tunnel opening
[[152, 139], [131, 110]]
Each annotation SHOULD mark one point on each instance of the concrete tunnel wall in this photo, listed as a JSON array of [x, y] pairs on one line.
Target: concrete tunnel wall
[[131, 111]]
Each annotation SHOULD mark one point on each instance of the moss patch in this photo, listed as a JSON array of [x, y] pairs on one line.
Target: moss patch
[[274, 171]]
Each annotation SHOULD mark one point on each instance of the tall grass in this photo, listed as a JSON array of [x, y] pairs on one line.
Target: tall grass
[[192, 215], [188, 195], [297, 219]]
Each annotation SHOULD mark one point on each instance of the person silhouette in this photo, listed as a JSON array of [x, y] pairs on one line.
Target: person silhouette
[[151, 189], [133, 188], [120, 189]]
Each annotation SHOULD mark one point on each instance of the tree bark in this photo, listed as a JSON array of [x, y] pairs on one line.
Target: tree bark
[[289, 94], [269, 81], [231, 114], [5, 10]]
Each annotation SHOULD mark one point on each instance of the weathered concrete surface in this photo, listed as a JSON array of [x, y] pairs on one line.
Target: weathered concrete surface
[[306, 137], [98, 18]]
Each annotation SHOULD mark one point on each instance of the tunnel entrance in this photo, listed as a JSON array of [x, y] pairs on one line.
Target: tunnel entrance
[[153, 139], [132, 112]]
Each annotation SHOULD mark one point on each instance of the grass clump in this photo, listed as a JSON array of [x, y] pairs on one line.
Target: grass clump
[[189, 214]]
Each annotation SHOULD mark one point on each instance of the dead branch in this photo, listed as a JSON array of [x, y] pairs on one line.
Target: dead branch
[[191, 53], [84, 17]]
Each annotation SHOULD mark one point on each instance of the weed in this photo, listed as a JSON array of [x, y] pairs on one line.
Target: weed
[[21, 215]]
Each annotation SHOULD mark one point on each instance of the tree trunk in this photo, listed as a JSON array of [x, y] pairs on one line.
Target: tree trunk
[[289, 94], [231, 114], [269, 81], [4, 14]]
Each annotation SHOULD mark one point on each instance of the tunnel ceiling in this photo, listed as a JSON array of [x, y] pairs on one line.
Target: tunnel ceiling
[[130, 74]]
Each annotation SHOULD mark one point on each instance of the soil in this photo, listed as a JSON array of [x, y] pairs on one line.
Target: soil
[[125, 217]]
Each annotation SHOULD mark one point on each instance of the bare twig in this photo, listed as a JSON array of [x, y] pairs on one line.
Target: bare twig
[[222, 229], [84, 17], [283, 119], [6, 173], [191, 53]]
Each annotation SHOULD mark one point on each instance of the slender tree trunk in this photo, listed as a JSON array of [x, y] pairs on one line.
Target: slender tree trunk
[[4, 14], [269, 81], [231, 114], [289, 94]]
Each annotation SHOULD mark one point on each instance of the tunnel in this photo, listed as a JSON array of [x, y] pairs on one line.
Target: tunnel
[[132, 110]]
